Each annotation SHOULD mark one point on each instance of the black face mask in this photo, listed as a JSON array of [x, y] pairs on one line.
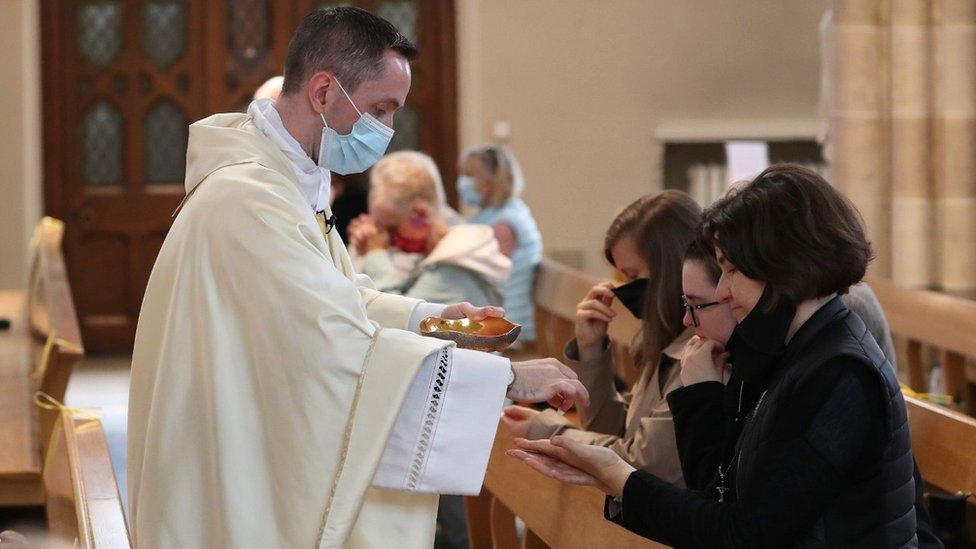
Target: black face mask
[[633, 295]]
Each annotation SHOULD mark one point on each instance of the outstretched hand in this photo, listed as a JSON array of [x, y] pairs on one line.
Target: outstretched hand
[[548, 380], [572, 462]]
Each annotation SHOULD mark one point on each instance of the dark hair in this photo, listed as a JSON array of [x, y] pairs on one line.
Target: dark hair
[[789, 228], [346, 41], [662, 225], [706, 258]]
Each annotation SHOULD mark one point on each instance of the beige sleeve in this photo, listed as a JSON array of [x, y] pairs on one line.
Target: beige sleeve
[[388, 310], [607, 412]]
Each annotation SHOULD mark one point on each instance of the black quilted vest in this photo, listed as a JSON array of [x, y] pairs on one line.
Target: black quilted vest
[[875, 512]]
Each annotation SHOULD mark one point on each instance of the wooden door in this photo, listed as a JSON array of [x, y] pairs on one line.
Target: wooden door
[[123, 79]]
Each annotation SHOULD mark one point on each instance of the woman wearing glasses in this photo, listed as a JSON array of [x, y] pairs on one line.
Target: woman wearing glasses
[[646, 243], [819, 453]]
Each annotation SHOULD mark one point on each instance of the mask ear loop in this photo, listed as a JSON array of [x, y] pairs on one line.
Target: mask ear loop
[[359, 112]]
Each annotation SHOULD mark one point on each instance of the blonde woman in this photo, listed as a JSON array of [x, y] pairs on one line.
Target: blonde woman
[[408, 247], [491, 180]]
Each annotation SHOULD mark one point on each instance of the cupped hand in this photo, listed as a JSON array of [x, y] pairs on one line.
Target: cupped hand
[[572, 462]]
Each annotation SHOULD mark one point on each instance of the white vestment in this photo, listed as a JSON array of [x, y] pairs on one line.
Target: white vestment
[[267, 377]]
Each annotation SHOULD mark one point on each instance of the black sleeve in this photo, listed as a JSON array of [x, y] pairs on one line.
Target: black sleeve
[[832, 421], [699, 430]]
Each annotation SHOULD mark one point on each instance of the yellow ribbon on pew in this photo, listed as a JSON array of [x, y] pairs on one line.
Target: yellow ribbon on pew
[[48, 402], [934, 398], [38, 373]]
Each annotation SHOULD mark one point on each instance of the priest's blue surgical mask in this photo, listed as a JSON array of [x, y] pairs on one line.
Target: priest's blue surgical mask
[[359, 149], [467, 189]]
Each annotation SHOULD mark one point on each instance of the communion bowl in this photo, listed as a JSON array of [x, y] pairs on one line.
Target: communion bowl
[[490, 335]]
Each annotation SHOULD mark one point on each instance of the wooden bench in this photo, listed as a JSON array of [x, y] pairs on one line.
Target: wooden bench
[[555, 514], [941, 322], [37, 353], [82, 496]]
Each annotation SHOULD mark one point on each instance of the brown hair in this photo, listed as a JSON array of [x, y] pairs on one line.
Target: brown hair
[[706, 258], [348, 42], [789, 228], [662, 225]]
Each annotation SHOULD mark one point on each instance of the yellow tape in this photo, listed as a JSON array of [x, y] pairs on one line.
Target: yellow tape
[[934, 398], [41, 369], [48, 402]]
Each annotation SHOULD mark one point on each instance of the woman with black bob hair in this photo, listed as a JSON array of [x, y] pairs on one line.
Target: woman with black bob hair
[[814, 447]]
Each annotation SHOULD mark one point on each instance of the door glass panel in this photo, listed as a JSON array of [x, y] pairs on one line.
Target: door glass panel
[[166, 135], [249, 31], [100, 32], [102, 145], [403, 14], [164, 32]]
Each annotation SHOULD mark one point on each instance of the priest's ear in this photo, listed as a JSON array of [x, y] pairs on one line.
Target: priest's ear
[[318, 89]]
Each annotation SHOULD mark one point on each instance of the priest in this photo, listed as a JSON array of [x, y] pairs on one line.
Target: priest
[[277, 400]]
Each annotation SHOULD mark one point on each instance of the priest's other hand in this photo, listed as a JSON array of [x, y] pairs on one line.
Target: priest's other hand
[[466, 310], [517, 419], [547, 380], [572, 462]]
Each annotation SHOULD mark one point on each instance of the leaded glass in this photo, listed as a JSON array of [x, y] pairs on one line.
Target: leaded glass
[[102, 145], [100, 32], [166, 133], [404, 16], [164, 32], [406, 123], [249, 31]]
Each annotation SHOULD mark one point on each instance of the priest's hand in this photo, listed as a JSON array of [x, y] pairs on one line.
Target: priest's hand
[[464, 309], [547, 380], [572, 462], [517, 419]]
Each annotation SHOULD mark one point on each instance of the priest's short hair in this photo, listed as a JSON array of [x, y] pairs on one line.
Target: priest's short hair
[[346, 41]]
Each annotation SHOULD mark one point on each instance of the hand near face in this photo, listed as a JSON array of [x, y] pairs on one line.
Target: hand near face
[[703, 360], [593, 317], [572, 462], [517, 419], [365, 235]]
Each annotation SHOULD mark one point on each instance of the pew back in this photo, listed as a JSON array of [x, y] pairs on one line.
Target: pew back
[[38, 352], [82, 497], [929, 319]]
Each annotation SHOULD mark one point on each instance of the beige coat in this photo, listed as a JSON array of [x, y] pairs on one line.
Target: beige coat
[[637, 424]]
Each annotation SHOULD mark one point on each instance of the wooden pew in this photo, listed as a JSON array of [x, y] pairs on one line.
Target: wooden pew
[[38, 353], [931, 319], [83, 505], [555, 514]]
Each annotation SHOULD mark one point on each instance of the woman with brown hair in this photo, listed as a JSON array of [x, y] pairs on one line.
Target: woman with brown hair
[[816, 450], [646, 243]]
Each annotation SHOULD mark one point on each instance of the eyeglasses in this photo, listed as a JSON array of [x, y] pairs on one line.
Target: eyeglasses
[[691, 308]]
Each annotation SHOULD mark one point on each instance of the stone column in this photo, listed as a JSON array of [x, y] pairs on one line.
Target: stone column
[[911, 169], [858, 127], [954, 144]]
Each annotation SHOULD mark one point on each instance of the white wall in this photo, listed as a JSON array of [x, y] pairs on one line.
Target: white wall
[[587, 85], [20, 136]]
